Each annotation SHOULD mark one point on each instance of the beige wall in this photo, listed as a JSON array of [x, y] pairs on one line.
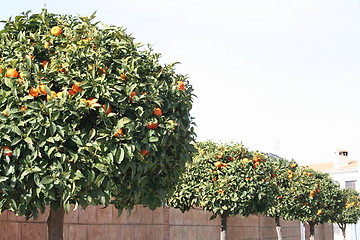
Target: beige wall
[[164, 223]]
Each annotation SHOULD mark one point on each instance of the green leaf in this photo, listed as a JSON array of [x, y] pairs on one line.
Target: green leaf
[[91, 176], [67, 207], [79, 174], [28, 141], [101, 167], [51, 150], [153, 139], [52, 128], [77, 140], [55, 115], [119, 156], [99, 179], [2, 178], [17, 130], [8, 82], [121, 123], [47, 180], [92, 133]]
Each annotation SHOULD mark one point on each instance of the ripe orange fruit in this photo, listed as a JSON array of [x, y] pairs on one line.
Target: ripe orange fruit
[[293, 165], [181, 85], [158, 112], [107, 108], [22, 108], [257, 163], [59, 94], [41, 89], [279, 197], [123, 76], [76, 87], [11, 72], [71, 92], [46, 45], [319, 212], [132, 94], [152, 125], [101, 70], [44, 63], [247, 178], [221, 191], [9, 152], [5, 112], [63, 70], [218, 164], [56, 30], [256, 159], [274, 175], [290, 176], [225, 165], [219, 156], [144, 152], [34, 92], [119, 132]]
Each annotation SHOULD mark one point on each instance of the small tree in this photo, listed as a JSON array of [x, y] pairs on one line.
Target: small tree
[[226, 180], [317, 197], [283, 194], [88, 117], [350, 214]]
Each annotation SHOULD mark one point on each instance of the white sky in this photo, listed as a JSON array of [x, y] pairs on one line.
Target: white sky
[[279, 76]]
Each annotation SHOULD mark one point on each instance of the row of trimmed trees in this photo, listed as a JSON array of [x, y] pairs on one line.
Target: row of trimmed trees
[[228, 179]]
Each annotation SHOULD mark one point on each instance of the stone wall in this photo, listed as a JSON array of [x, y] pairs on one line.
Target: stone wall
[[97, 223]]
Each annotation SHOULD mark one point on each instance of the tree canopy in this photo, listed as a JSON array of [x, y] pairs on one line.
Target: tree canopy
[[225, 179], [88, 116]]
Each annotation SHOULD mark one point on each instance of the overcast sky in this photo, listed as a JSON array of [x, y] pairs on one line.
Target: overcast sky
[[279, 76]]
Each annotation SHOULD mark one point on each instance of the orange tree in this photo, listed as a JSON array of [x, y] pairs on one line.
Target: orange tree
[[316, 197], [350, 214], [88, 117], [283, 172], [226, 180]]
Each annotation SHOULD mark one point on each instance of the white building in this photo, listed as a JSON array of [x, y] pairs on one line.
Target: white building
[[344, 170]]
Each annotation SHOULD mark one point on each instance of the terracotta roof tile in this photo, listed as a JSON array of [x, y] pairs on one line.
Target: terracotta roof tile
[[329, 166]]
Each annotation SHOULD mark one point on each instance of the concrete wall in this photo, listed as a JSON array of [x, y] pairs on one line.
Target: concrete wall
[[97, 223]]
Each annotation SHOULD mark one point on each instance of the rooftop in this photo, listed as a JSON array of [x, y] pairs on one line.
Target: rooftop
[[329, 166]]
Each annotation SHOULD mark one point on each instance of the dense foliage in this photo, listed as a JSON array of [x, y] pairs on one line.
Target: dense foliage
[[350, 214], [89, 116], [283, 192], [225, 179], [316, 196]]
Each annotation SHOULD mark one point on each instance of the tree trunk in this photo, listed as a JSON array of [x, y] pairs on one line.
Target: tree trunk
[[223, 226], [312, 230], [342, 226], [55, 224], [278, 227]]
